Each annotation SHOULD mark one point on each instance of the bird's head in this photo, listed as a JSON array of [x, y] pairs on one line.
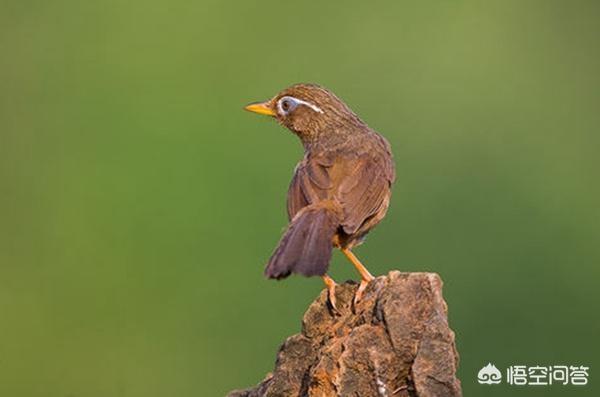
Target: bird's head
[[308, 110]]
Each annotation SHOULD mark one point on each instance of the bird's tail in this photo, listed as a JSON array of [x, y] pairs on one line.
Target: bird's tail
[[306, 245]]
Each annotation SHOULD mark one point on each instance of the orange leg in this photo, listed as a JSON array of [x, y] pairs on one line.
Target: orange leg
[[330, 284], [364, 273]]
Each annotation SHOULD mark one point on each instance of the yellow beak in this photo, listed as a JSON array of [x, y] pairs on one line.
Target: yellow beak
[[260, 108]]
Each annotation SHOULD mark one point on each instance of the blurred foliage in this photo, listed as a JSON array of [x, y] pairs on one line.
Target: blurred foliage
[[138, 202]]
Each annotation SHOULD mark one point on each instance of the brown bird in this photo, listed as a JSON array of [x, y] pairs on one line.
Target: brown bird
[[340, 189]]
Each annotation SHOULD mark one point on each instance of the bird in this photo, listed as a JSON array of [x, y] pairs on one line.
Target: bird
[[340, 189]]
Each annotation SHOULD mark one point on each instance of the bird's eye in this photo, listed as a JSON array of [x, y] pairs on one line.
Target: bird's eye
[[286, 105]]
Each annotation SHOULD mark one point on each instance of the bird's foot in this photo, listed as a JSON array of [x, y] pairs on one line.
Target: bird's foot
[[332, 301], [330, 284], [365, 276], [361, 289]]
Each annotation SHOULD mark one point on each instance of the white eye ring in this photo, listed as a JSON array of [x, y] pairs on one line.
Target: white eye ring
[[287, 104]]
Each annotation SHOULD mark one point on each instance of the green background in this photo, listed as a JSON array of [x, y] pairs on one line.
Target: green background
[[139, 203]]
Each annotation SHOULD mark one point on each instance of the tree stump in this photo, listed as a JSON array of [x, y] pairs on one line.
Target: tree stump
[[396, 342]]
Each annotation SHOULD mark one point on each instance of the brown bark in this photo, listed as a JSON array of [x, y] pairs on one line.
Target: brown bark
[[395, 343]]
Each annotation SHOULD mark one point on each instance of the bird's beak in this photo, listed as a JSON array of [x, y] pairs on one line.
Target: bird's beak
[[261, 108]]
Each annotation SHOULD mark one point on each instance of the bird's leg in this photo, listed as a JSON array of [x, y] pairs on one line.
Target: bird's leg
[[330, 284], [364, 273]]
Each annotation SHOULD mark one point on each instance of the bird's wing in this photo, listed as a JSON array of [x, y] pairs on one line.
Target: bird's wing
[[364, 191], [296, 200], [361, 185], [310, 184]]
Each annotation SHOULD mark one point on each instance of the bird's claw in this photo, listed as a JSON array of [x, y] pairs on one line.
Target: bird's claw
[[330, 284], [332, 300], [359, 292]]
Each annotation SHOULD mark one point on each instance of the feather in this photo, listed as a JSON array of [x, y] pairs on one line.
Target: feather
[[306, 246]]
